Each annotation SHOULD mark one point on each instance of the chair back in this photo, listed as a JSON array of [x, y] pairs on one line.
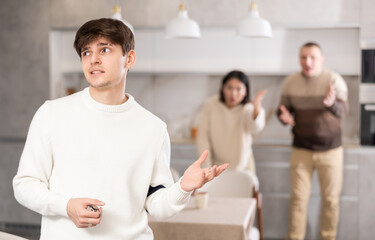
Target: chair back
[[233, 183]]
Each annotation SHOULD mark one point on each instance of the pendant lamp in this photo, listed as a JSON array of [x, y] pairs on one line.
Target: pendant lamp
[[182, 26], [253, 25], [117, 15]]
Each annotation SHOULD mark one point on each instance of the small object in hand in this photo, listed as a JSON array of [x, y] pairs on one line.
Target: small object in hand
[[94, 208]]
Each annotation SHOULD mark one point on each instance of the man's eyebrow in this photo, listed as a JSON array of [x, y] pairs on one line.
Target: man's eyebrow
[[85, 49], [99, 44], [104, 44]]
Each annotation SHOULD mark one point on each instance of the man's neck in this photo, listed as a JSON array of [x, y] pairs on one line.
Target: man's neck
[[109, 95], [317, 74]]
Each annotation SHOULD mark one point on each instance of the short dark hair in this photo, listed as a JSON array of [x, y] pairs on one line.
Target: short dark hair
[[311, 44], [240, 76], [114, 30]]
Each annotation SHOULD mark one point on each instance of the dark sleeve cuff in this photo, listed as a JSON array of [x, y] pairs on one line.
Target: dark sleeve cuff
[[339, 108], [152, 189]]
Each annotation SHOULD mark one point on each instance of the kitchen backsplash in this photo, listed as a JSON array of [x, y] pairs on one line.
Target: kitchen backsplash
[[178, 98]]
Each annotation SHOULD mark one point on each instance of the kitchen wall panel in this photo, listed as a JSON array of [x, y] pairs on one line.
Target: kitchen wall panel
[[367, 22], [24, 86], [24, 81]]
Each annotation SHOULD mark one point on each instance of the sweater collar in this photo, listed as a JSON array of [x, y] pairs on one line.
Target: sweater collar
[[313, 77], [107, 108]]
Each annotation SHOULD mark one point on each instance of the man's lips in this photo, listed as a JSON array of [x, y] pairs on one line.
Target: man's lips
[[96, 71]]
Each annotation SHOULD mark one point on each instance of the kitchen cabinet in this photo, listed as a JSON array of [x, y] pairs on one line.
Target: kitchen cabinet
[[367, 18], [217, 52], [10, 210], [272, 162]]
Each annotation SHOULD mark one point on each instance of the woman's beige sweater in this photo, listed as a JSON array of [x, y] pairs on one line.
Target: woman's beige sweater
[[227, 133]]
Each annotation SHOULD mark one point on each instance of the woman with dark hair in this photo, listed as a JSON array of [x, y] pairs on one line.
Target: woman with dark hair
[[228, 121]]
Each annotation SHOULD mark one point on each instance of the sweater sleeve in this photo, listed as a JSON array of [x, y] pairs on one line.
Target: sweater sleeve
[[255, 125], [284, 99], [167, 201], [340, 106], [31, 183], [203, 139]]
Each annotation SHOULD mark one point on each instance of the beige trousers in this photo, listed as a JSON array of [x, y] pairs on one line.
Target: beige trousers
[[329, 166]]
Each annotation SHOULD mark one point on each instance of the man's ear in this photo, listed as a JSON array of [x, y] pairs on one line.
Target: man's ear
[[130, 59]]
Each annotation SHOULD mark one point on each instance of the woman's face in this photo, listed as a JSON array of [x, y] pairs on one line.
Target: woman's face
[[234, 92]]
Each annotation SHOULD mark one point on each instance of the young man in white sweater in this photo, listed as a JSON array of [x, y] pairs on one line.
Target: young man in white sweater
[[100, 147]]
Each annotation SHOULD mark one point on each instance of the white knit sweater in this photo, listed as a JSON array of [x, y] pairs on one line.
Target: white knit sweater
[[77, 147]]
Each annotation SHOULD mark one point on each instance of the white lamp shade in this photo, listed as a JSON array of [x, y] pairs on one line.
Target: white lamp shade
[[254, 26], [117, 15], [182, 27]]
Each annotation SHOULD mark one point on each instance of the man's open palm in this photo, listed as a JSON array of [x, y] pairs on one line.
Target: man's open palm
[[195, 176]]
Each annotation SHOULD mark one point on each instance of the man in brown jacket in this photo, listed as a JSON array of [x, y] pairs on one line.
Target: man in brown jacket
[[313, 102]]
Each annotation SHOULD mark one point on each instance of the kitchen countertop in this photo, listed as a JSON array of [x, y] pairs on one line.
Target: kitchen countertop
[[271, 143]]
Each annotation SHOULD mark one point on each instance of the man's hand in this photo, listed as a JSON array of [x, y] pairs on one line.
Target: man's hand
[[286, 117], [330, 97], [195, 176], [257, 102], [78, 213]]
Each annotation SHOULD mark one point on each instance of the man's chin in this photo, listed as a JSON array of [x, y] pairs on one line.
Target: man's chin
[[99, 85], [308, 74]]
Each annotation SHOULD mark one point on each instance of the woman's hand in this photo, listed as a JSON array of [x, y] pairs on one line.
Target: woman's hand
[[195, 176], [257, 102]]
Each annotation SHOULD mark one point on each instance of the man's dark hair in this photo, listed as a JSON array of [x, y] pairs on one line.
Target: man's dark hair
[[113, 30], [241, 77], [311, 44]]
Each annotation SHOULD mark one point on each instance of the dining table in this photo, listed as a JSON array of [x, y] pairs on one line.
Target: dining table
[[222, 219]]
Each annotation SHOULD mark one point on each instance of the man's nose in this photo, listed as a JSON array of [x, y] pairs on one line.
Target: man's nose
[[95, 59], [308, 61]]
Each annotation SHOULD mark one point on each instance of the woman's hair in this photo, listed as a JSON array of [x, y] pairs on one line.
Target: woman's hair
[[113, 30], [241, 77]]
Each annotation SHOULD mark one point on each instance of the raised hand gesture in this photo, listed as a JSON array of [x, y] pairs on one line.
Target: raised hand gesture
[[257, 102], [195, 176], [330, 97], [286, 117]]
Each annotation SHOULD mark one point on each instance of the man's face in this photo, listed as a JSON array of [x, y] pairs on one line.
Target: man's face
[[234, 92], [104, 64], [311, 60]]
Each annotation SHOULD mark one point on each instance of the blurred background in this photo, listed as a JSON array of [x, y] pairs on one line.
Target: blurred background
[[173, 77]]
